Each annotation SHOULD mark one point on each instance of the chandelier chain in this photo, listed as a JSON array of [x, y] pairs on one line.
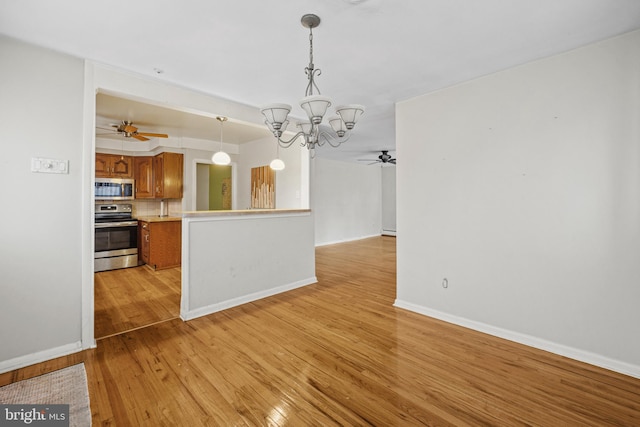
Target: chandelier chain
[[311, 47], [310, 70]]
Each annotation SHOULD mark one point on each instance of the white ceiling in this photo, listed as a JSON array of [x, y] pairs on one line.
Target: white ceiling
[[111, 110], [371, 52]]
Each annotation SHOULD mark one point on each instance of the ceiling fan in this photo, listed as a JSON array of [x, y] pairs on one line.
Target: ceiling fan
[[128, 130], [382, 158]]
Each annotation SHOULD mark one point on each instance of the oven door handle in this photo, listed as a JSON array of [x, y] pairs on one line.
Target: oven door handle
[[116, 224]]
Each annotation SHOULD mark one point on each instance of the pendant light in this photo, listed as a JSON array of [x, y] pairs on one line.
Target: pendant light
[[221, 158], [277, 164]]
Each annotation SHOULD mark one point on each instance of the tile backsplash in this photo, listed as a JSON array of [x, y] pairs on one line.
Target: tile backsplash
[[142, 207]]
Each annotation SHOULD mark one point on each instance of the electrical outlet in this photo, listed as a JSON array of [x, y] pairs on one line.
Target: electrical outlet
[[445, 283]]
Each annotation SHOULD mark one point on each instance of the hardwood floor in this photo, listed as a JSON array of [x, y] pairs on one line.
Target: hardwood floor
[[131, 298], [339, 353]]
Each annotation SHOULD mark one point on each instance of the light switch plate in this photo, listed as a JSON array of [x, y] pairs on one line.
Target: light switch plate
[[42, 165]]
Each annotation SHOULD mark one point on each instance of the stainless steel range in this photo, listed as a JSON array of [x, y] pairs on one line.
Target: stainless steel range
[[116, 237]]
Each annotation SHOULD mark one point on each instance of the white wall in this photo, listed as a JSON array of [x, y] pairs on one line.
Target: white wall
[[522, 188], [389, 200], [41, 108], [290, 182], [346, 201], [233, 259]]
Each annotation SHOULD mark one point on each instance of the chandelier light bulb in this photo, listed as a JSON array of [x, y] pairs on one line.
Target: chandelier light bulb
[[350, 114], [315, 106], [338, 126], [304, 126], [276, 114]]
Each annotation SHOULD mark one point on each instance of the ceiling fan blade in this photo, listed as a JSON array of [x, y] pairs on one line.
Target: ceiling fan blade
[[392, 161], [156, 135], [109, 129], [140, 137], [128, 128]]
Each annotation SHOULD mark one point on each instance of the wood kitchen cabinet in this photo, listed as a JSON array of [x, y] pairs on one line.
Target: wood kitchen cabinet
[[143, 173], [159, 177], [160, 243], [113, 166], [167, 175]]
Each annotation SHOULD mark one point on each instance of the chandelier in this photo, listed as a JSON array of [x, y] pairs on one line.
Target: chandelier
[[315, 106]]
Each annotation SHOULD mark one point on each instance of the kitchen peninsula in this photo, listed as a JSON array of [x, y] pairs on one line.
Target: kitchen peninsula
[[238, 256]]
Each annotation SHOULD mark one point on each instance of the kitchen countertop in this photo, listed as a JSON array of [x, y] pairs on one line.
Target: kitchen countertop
[[222, 213], [159, 218], [242, 212]]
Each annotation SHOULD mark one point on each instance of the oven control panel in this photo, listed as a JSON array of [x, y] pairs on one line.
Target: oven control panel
[[114, 208]]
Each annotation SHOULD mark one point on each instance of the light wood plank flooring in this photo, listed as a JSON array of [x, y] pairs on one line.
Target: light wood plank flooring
[[131, 298], [339, 353]]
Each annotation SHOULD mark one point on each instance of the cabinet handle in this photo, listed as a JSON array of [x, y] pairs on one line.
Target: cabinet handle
[[146, 237]]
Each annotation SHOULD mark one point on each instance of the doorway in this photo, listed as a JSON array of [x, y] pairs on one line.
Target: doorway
[[126, 299], [214, 188]]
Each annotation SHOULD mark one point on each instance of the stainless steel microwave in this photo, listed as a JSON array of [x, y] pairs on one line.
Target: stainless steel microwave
[[114, 189]]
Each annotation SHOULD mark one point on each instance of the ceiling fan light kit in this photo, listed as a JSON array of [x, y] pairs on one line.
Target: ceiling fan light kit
[[315, 106]]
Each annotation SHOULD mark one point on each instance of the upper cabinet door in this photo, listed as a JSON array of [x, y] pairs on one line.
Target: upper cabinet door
[[103, 165], [172, 171], [158, 176], [113, 166], [143, 174], [122, 167]]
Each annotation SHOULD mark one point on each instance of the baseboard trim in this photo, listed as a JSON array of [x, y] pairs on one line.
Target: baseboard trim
[[234, 302], [41, 356], [528, 340], [335, 242]]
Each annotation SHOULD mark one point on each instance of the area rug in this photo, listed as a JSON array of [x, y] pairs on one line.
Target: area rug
[[65, 386]]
